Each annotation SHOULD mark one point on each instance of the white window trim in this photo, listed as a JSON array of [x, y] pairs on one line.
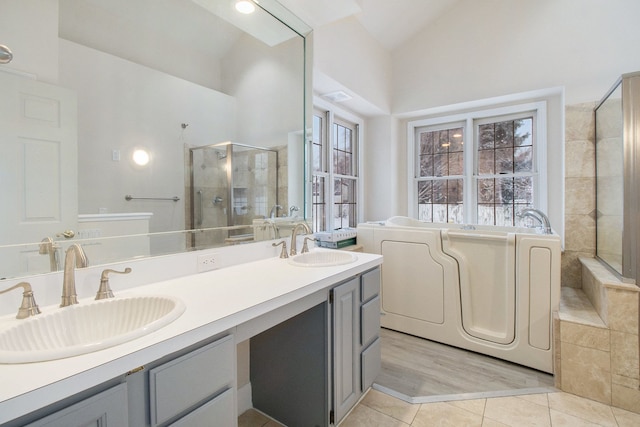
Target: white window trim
[[468, 119], [345, 115]]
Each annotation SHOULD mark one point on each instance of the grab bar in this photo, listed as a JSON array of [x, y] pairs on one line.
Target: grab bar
[[478, 236], [129, 197], [200, 210]]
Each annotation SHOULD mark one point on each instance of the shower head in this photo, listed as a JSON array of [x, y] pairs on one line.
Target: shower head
[[5, 54]]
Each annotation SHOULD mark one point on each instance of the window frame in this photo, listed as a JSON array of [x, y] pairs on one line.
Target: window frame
[[469, 121], [332, 114]]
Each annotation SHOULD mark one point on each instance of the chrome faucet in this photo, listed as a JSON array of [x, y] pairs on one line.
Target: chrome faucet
[[274, 211], [294, 233], [538, 215], [74, 257]]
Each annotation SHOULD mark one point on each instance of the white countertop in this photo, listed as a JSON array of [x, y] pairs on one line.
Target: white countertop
[[216, 301]]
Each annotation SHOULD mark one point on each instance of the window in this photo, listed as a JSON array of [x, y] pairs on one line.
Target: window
[[481, 167], [335, 172]]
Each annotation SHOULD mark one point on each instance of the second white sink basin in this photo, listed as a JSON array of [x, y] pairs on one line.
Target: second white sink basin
[[323, 258], [84, 328]]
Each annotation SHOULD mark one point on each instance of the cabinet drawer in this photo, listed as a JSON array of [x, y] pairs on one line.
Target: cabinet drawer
[[370, 285], [370, 321], [190, 379], [370, 363], [219, 411]]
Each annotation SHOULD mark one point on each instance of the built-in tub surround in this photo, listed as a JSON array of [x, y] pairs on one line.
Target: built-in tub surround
[[240, 299], [486, 289], [596, 333]]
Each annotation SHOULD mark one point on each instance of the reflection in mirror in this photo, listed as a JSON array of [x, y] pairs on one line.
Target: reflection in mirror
[[99, 80], [610, 179]]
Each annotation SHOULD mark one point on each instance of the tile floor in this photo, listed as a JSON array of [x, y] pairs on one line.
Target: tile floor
[[557, 409]]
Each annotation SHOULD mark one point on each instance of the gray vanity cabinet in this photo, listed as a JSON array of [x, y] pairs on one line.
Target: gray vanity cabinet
[[105, 409], [356, 328], [191, 388], [311, 369], [346, 328]]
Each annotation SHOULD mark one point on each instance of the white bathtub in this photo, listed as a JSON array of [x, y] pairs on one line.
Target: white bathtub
[[489, 289]]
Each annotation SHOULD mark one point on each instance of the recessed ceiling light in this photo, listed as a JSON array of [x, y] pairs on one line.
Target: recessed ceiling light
[[245, 6]]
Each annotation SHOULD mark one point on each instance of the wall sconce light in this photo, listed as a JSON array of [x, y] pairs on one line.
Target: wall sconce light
[[141, 157], [245, 6]]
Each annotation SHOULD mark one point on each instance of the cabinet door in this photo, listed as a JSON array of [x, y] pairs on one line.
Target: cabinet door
[[217, 412], [346, 327], [106, 409]]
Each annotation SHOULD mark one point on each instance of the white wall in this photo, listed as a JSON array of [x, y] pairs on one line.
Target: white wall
[[267, 82], [30, 30], [479, 49], [123, 105], [346, 53], [488, 48]]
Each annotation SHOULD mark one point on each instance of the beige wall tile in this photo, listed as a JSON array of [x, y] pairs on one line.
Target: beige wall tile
[[588, 358], [579, 159], [625, 381], [592, 383], [623, 310], [580, 122], [626, 398], [585, 336], [595, 292], [625, 360], [579, 196], [571, 270], [580, 233]]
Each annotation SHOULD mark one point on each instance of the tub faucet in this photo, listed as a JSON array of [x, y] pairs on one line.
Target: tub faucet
[[74, 257], [294, 234], [538, 215]]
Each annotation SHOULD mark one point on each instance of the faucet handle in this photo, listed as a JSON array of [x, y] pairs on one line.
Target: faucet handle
[[105, 290], [28, 306], [305, 247], [283, 253]]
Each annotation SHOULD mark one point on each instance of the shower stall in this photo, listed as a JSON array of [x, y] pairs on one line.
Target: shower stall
[[230, 185]]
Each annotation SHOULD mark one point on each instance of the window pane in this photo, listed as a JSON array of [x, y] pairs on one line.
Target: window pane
[[486, 137], [523, 159], [523, 132], [504, 160], [425, 192], [440, 213], [426, 142], [504, 134], [442, 144], [440, 191], [425, 212], [456, 163], [485, 191], [504, 215], [486, 214], [426, 165], [523, 190], [485, 162], [440, 165], [456, 138], [504, 191]]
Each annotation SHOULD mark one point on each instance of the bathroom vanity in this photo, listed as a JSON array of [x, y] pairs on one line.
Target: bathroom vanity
[[313, 329]]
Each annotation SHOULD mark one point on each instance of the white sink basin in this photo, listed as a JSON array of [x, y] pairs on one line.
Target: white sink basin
[[84, 328], [320, 258]]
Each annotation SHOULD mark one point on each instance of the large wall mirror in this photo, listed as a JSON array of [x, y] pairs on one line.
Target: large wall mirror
[[125, 125]]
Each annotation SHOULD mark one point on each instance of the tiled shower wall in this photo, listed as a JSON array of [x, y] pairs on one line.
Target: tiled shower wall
[[580, 191]]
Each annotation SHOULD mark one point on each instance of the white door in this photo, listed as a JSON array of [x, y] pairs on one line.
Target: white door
[[38, 160]]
